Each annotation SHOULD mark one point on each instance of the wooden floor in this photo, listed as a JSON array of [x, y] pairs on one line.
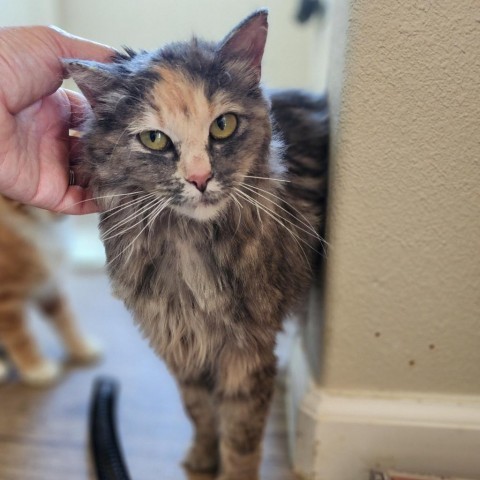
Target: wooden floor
[[43, 433]]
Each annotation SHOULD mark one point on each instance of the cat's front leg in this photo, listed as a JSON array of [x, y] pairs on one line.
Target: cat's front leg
[[244, 391], [80, 348], [3, 370], [203, 456], [21, 347]]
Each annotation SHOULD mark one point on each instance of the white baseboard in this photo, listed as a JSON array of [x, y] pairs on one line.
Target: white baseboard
[[342, 436]]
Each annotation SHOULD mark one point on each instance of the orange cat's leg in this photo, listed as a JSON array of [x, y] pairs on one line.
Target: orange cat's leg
[[80, 348], [21, 347], [3, 370]]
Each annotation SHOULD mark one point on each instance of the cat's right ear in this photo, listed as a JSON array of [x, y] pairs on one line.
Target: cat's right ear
[[92, 78], [247, 40]]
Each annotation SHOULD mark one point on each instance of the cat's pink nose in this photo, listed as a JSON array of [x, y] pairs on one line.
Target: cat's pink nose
[[200, 180]]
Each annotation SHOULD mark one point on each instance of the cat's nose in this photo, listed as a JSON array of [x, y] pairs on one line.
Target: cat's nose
[[200, 180]]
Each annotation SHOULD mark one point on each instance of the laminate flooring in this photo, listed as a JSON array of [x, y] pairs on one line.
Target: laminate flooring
[[43, 432]]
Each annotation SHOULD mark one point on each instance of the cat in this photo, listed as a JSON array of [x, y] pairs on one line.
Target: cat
[[29, 263], [210, 223]]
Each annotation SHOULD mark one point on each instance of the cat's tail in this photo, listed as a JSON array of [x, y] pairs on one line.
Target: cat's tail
[[302, 120]]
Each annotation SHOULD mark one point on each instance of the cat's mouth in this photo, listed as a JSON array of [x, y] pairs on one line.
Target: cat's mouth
[[205, 207], [209, 200]]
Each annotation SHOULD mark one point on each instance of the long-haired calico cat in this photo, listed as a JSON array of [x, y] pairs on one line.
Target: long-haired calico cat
[[210, 224], [29, 261]]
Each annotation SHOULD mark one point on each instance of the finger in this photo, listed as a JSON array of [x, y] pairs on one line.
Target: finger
[[71, 46]]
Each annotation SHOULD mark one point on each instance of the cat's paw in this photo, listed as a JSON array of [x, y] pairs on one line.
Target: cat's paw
[[44, 374], [201, 459], [4, 370], [87, 351]]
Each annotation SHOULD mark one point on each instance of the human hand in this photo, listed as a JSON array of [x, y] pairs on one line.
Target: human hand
[[36, 115]]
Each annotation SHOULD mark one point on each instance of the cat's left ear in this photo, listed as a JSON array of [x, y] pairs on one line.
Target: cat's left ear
[[92, 78], [247, 40]]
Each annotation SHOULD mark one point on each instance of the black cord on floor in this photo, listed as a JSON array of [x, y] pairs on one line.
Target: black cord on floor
[[104, 444]]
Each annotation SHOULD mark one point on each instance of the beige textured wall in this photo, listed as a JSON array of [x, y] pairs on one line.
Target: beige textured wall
[[403, 274]]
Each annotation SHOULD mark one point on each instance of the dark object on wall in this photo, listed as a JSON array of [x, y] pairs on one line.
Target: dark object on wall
[[104, 443], [308, 8]]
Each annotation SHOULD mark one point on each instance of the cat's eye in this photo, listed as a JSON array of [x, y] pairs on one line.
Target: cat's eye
[[223, 126], [154, 140]]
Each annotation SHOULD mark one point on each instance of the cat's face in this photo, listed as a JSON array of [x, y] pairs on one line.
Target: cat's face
[[184, 124]]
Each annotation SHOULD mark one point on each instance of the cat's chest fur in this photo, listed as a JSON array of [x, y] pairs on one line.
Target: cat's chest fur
[[198, 275], [192, 295], [177, 297]]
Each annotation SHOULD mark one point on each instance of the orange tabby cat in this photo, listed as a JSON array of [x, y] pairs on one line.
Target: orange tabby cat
[[29, 258]]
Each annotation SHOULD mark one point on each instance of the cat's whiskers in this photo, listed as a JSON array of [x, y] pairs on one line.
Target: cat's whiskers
[[311, 231], [156, 211], [283, 219], [279, 220], [150, 218], [118, 208], [150, 230], [155, 214], [101, 197], [240, 207], [259, 216], [307, 222], [268, 178], [152, 204], [271, 213], [122, 206]]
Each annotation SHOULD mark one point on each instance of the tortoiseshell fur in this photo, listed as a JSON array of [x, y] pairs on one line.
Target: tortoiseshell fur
[[209, 276]]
